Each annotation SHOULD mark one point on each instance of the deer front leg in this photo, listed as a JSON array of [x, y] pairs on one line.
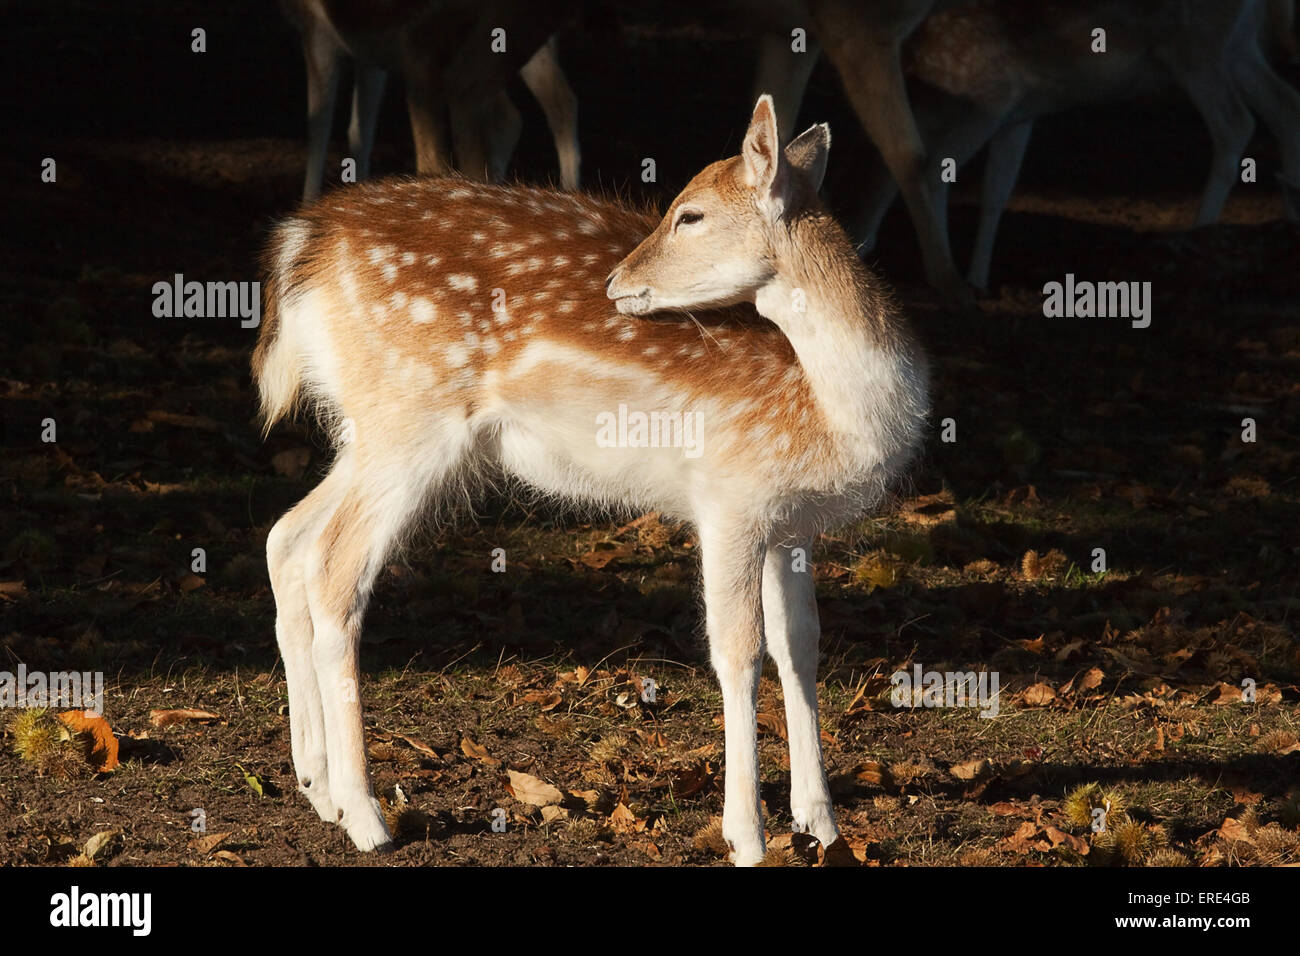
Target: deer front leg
[[1001, 170], [732, 558], [792, 629]]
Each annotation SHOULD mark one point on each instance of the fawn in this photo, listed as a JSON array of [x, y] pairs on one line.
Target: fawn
[[452, 330]]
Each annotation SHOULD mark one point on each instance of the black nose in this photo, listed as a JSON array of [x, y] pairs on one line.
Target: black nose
[[609, 280]]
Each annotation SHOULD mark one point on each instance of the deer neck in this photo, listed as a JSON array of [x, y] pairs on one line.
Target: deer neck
[[856, 356]]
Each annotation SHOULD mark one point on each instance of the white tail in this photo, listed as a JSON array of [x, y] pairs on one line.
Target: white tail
[[427, 41], [451, 329]]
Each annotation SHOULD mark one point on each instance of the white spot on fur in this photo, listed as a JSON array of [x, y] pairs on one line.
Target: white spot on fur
[[422, 310]]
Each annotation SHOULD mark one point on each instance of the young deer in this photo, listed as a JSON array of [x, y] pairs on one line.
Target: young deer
[[452, 331]]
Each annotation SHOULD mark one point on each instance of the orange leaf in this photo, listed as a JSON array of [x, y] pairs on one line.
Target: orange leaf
[[102, 751]]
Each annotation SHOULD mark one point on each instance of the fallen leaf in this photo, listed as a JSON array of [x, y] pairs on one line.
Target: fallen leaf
[[971, 769], [873, 772], [1091, 678], [477, 752], [526, 788], [1038, 695], [551, 813], [102, 749], [1077, 844], [691, 780], [1234, 831], [206, 844], [101, 845], [624, 820], [190, 582], [773, 725], [165, 718]]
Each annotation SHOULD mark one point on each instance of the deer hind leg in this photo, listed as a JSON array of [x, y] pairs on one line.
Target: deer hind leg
[[1278, 104], [792, 630], [322, 86], [426, 105], [548, 84], [1212, 92], [367, 95], [732, 560], [784, 74], [286, 554], [380, 501], [867, 58]]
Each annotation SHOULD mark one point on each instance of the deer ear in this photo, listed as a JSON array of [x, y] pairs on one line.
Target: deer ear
[[809, 151], [762, 152]]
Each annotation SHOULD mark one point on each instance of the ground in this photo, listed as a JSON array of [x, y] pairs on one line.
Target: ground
[[1072, 435]]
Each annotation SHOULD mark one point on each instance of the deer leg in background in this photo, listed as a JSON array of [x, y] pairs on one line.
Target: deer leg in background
[[1230, 123], [1001, 170], [1278, 104], [322, 57], [545, 79], [367, 95], [784, 74], [866, 54], [426, 106]]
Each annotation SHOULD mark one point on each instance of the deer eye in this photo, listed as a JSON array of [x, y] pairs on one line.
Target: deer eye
[[687, 217]]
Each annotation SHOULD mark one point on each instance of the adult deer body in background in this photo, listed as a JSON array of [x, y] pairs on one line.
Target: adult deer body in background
[[1001, 64], [451, 330], [443, 49]]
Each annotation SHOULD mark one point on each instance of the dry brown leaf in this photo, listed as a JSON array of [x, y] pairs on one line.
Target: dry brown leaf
[[165, 718], [772, 725], [1038, 695], [418, 745], [206, 844], [691, 780], [229, 857], [551, 813], [534, 791], [1091, 679], [479, 753], [971, 769], [1234, 831], [872, 772], [190, 582], [1077, 844], [623, 820], [101, 845], [101, 752], [1226, 694]]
